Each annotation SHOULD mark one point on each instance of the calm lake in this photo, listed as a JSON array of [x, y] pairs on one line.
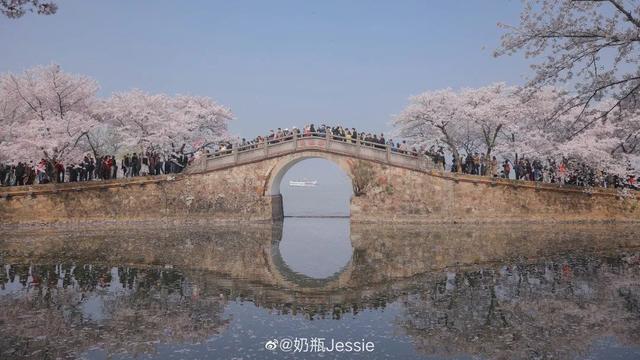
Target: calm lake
[[172, 291]]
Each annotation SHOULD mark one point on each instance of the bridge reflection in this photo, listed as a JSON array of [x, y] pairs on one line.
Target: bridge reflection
[[255, 251], [313, 252]]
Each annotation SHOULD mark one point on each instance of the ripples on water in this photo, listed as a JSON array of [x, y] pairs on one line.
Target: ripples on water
[[505, 292]]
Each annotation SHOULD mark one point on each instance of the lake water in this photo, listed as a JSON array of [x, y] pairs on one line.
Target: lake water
[[171, 291]]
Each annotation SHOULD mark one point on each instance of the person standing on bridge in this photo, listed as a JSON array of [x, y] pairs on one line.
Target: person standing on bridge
[[114, 167], [476, 164], [125, 164], [347, 135], [106, 167], [494, 167], [90, 167], [135, 165], [144, 167], [59, 171], [152, 163], [30, 174], [159, 164], [41, 172], [506, 169], [70, 172]]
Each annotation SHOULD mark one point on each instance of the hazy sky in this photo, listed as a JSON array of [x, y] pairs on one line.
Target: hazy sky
[[275, 63]]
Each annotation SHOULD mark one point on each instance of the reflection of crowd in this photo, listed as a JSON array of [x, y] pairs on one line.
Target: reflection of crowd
[[107, 167]]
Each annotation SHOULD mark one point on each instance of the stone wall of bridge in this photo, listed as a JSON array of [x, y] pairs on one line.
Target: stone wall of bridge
[[401, 195], [227, 195], [250, 191]]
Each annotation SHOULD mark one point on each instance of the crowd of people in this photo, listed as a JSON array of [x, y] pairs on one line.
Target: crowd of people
[[548, 171], [563, 172], [150, 163], [105, 168], [338, 133]]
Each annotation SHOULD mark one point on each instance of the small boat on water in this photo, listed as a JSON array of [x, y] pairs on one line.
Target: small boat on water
[[303, 183]]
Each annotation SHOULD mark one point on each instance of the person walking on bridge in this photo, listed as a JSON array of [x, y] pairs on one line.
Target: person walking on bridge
[[135, 165]]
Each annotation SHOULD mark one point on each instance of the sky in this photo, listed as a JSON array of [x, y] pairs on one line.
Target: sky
[[274, 63]]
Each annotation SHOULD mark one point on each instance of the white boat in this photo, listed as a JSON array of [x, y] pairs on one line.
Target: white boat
[[304, 183]]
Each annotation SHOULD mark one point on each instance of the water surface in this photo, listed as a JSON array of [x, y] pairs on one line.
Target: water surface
[[200, 292]]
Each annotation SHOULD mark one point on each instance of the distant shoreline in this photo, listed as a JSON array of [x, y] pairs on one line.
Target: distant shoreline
[[318, 216]]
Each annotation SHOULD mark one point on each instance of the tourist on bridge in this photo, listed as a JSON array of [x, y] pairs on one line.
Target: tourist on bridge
[[506, 169], [59, 168], [135, 165], [494, 167]]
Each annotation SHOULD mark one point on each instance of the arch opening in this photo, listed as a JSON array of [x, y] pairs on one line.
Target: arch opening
[[312, 186]]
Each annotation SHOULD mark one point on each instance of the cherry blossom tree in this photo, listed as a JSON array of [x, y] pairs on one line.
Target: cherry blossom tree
[[506, 120], [45, 112], [157, 121], [204, 122], [493, 109], [102, 140], [534, 128], [468, 119], [590, 45], [541, 130], [436, 118], [14, 9], [611, 146]]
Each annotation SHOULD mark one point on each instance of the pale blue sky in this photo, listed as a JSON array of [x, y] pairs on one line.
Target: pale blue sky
[[275, 63]]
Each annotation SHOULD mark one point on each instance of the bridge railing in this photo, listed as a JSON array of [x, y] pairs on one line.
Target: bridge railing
[[354, 147]]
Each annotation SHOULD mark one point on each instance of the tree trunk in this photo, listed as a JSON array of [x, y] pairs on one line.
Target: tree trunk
[[488, 164]]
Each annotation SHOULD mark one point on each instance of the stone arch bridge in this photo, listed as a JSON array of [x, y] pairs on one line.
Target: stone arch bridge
[[244, 184], [270, 160]]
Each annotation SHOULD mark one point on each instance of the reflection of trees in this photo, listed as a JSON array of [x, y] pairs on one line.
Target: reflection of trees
[[381, 253], [389, 252], [134, 312], [239, 251], [552, 309]]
